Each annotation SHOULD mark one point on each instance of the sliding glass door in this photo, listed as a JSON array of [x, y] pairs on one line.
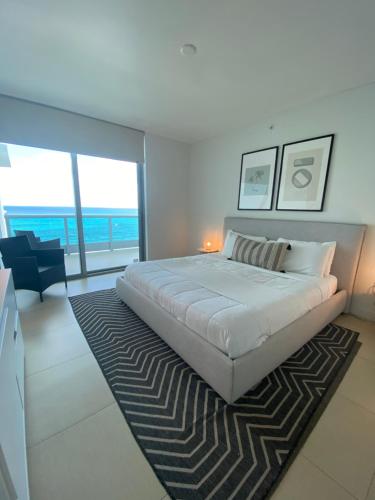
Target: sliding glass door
[[93, 205], [110, 211]]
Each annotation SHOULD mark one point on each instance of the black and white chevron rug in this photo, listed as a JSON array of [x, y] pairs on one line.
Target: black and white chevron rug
[[199, 446]]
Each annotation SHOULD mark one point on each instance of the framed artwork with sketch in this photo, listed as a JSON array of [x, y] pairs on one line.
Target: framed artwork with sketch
[[304, 173], [257, 179]]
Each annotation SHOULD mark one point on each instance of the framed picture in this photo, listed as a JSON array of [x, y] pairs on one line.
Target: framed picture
[[304, 173], [257, 179]]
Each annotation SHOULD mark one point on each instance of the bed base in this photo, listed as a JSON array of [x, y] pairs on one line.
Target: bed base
[[231, 378]]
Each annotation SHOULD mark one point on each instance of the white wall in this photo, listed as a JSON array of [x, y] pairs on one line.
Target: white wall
[[350, 197], [167, 163]]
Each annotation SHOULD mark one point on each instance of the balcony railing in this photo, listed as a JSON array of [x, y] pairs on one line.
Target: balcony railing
[[101, 232]]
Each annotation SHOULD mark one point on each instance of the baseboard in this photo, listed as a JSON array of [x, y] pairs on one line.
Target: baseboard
[[365, 313]]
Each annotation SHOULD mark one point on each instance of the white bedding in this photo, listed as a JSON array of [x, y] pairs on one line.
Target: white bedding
[[233, 306]]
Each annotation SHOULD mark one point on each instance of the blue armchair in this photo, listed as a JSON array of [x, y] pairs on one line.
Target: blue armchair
[[32, 269]]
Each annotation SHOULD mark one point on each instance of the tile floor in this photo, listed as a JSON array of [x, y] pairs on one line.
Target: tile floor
[[80, 447]]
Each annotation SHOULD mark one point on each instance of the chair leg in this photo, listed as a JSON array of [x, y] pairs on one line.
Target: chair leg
[[41, 296]]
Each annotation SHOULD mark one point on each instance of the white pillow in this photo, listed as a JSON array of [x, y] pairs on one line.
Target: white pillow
[[230, 240], [309, 257], [330, 257]]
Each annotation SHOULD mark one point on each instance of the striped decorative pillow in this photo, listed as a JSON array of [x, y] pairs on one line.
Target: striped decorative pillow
[[269, 255]]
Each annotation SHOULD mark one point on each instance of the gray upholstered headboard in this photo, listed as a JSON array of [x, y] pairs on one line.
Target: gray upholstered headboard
[[349, 238]]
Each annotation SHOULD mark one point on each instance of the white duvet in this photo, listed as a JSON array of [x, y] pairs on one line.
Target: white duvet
[[232, 305]]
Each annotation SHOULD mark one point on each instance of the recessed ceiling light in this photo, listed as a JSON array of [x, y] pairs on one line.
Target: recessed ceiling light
[[188, 49]]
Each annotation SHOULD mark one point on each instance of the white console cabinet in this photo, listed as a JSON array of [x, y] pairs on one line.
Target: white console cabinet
[[13, 463]]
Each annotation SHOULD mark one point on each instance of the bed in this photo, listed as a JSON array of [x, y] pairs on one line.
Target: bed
[[216, 314]]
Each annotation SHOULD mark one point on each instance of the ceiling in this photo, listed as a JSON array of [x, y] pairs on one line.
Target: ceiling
[[119, 60]]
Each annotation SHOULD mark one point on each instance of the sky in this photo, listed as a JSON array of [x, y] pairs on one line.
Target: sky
[[40, 177]]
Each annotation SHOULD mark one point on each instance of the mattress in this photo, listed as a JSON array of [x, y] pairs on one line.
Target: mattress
[[233, 306]]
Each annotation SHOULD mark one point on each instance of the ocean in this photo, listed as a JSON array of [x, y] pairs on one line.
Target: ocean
[[95, 223]]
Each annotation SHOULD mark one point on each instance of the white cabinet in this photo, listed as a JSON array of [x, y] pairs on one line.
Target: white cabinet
[[13, 464]]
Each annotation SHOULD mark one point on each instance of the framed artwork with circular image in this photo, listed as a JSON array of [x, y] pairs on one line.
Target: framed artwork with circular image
[[304, 173]]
